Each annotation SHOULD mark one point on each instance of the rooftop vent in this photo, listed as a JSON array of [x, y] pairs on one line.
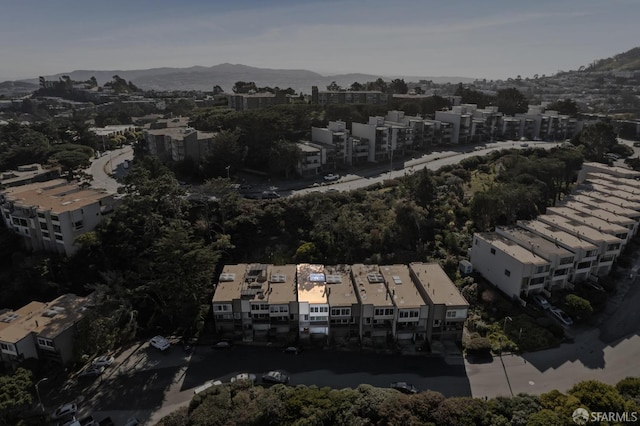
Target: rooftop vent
[[396, 280], [226, 277], [334, 279], [278, 278], [375, 277], [9, 317]]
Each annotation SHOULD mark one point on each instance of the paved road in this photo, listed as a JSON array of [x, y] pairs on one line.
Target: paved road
[[111, 163]]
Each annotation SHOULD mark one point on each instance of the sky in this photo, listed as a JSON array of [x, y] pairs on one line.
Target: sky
[[492, 39]]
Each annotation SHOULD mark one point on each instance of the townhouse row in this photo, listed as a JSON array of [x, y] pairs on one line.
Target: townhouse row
[[44, 331], [51, 215], [415, 302], [576, 241]]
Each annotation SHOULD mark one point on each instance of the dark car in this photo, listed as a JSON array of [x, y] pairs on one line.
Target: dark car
[[91, 371], [275, 377], [292, 350], [404, 387], [222, 344]]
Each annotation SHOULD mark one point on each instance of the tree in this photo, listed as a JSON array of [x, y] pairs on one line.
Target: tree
[[217, 90], [598, 139], [283, 158], [598, 396], [398, 86], [564, 106], [356, 87], [578, 307], [334, 87], [244, 87], [15, 394], [511, 101]]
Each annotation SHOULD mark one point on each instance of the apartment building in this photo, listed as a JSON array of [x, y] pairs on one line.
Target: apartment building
[[447, 308], [560, 259], [44, 331], [614, 172], [460, 118], [376, 304], [594, 222], [313, 302], [609, 246], [379, 138], [251, 101], [586, 253], [29, 173], [337, 141], [620, 215], [626, 181], [344, 309], [312, 158], [49, 216], [341, 97], [619, 189], [515, 270], [608, 197], [283, 309]]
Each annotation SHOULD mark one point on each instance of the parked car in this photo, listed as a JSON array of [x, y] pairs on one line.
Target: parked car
[[243, 376], [291, 350], [160, 343], [594, 285], [92, 371], [103, 361], [540, 301], [222, 344], [64, 410], [270, 195], [331, 177], [275, 377], [636, 144], [524, 144], [404, 387], [561, 316], [206, 385]]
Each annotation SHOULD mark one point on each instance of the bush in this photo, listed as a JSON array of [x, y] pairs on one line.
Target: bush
[[578, 307], [479, 346]]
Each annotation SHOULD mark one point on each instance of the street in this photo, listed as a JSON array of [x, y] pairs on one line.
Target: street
[[111, 162]]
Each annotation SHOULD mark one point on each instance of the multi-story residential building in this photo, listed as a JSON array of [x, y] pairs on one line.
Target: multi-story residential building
[[337, 142], [627, 215], [29, 173], [595, 211], [179, 143], [313, 302], [251, 101], [42, 330], [50, 215], [515, 270], [560, 259], [609, 246], [625, 181], [614, 172], [447, 308], [381, 145], [460, 118], [611, 191], [412, 313], [376, 304], [491, 120], [337, 97], [312, 158], [255, 301], [586, 253], [594, 222], [344, 309], [512, 127]]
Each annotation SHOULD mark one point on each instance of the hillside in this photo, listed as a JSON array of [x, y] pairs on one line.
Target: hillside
[[225, 75], [627, 61]]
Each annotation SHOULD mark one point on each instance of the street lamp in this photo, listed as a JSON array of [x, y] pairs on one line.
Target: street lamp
[[227, 169], [44, 379]]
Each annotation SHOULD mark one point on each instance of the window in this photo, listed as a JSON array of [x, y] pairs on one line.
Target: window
[[451, 314], [324, 309], [541, 269], [388, 311], [611, 247], [536, 281], [55, 218], [45, 343], [379, 311], [78, 224], [507, 272], [43, 225], [493, 251], [566, 260], [6, 347], [583, 265], [56, 228], [59, 237], [41, 215], [591, 253], [436, 323], [314, 309], [559, 272]]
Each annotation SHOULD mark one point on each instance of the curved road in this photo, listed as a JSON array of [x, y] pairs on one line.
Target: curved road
[[110, 163]]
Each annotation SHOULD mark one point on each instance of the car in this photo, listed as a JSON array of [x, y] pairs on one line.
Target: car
[[222, 344], [160, 343], [404, 387], [270, 195], [64, 410], [540, 301], [636, 144], [594, 285], [561, 316], [243, 376], [103, 361], [92, 371], [87, 421], [206, 385], [524, 144], [291, 350], [331, 177], [275, 377]]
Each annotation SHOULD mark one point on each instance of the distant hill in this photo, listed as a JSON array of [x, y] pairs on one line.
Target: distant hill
[[226, 75], [627, 61], [17, 88]]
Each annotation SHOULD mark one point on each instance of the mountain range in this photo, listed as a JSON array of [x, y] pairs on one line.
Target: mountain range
[[226, 75]]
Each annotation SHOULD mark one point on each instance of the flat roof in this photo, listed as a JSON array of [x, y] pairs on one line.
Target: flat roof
[[578, 229], [311, 284], [607, 189], [512, 248], [608, 197], [616, 179], [437, 285], [614, 170], [369, 284], [597, 212], [282, 284], [603, 205], [587, 219], [47, 320], [555, 234], [339, 285], [527, 239], [230, 282], [58, 199], [403, 291], [616, 185]]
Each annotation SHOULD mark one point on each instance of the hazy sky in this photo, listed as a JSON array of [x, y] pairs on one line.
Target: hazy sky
[[472, 38]]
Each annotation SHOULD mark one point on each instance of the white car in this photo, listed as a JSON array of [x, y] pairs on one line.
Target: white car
[[561, 316], [331, 177], [64, 410], [539, 300], [103, 361], [244, 376], [160, 343]]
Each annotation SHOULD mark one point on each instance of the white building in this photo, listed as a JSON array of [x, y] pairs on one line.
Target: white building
[[313, 302]]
